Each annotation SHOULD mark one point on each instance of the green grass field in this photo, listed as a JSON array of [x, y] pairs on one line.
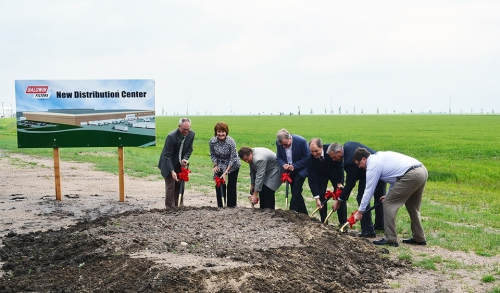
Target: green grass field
[[461, 208]]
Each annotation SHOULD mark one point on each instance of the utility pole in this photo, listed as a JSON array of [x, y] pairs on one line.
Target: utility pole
[[450, 102], [331, 105], [187, 106]]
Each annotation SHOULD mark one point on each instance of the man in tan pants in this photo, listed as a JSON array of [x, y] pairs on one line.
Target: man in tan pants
[[407, 178]]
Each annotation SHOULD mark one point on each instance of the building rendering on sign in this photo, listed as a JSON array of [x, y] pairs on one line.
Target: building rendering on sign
[[85, 113], [80, 117]]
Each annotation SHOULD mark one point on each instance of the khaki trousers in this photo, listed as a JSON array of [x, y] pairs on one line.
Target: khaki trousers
[[406, 191]]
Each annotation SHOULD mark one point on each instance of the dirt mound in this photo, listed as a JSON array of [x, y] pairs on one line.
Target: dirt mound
[[195, 250]]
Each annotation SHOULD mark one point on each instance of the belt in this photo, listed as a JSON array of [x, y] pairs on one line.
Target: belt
[[409, 169]]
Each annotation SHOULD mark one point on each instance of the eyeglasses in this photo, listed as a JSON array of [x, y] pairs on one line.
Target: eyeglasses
[[359, 162], [183, 129]]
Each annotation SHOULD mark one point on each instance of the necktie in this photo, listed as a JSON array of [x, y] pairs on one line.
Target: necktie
[[180, 149], [322, 160]]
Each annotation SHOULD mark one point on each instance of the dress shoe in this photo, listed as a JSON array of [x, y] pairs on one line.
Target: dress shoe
[[412, 241], [385, 242], [367, 234]]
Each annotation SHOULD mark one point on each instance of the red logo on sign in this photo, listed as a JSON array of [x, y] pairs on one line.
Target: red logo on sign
[[37, 89]]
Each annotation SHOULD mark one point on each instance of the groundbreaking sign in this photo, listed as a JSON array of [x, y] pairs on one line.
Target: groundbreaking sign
[[85, 113]]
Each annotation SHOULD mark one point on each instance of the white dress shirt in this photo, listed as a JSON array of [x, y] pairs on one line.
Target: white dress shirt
[[288, 152], [385, 166]]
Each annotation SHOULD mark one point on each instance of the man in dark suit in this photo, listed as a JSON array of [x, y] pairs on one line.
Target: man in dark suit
[[292, 152], [176, 152], [321, 169], [353, 173]]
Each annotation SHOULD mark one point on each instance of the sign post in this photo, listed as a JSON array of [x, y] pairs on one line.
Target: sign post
[[57, 174], [121, 174]]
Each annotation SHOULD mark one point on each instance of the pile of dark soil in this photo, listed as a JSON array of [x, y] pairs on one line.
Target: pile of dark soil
[[195, 250]]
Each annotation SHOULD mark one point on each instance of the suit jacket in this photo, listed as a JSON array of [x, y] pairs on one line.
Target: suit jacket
[[264, 169], [169, 158], [319, 174], [353, 172], [300, 152]]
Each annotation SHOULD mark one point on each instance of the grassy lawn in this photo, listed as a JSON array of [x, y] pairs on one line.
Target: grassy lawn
[[461, 208]]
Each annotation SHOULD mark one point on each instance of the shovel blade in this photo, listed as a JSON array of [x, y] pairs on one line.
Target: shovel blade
[[181, 192], [222, 196]]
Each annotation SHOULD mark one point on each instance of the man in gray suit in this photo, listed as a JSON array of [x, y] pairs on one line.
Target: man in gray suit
[[176, 152], [265, 175]]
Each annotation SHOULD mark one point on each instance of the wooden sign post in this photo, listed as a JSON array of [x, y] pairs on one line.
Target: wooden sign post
[[57, 174], [121, 174]]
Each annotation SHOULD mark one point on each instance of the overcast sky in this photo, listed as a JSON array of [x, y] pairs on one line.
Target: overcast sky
[[214, 57]]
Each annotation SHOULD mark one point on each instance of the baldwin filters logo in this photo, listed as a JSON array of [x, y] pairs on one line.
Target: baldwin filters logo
[[38, 91]]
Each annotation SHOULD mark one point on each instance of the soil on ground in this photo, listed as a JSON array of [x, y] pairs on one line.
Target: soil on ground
[[91, 242]]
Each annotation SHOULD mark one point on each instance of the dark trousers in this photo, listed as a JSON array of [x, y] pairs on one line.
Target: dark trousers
[[380, 191], [342, 212], [266, 198], [228, 190], [366, 222], [324, 211], [297, 201]]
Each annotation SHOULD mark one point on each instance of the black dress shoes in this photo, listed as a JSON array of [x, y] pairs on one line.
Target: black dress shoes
[[367, 234], [412, 241], [385, 242]]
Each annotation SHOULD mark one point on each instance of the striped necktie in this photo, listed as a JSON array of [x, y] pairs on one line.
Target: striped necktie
[[181, 148]]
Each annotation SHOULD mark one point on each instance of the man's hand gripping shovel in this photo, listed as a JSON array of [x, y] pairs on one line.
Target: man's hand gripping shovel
[[351, 221], [328, 194], [250, 198], [183, 176], [335, 195]]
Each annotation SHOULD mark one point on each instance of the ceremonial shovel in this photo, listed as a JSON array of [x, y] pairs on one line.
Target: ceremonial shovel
[[183, 177], [219, 182], [335, 196], [181, 192], [285, 177], [251, 193], [351, 221], [328, 194]]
